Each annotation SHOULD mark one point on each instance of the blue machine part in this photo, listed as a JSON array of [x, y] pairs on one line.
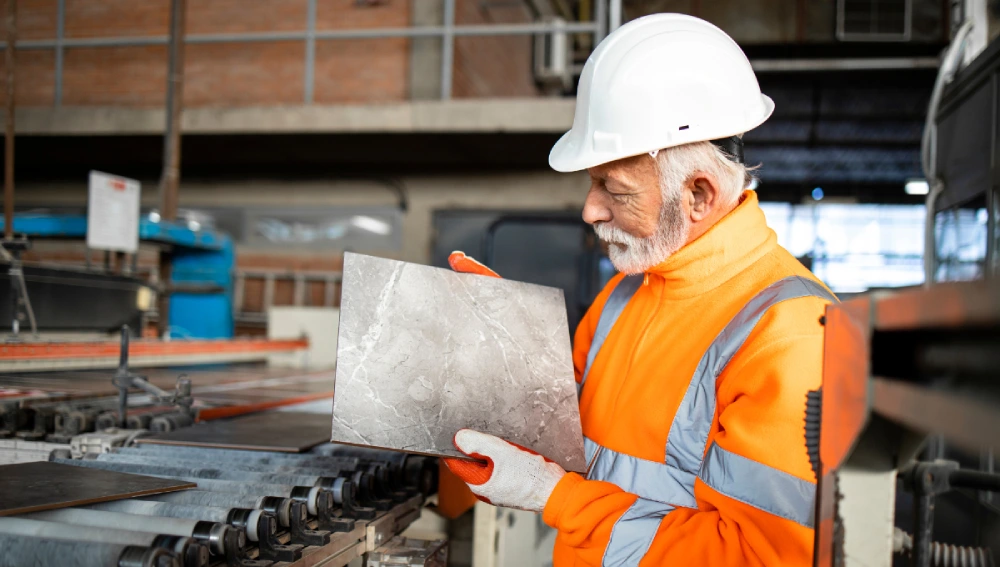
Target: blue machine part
[[75, 226], [203, 315], [200, 258]]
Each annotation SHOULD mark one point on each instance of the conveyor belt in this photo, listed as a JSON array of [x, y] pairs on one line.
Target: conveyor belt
[[249, 509]]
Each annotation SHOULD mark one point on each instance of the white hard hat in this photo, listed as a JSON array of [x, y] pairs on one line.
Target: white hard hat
[[656, 82]]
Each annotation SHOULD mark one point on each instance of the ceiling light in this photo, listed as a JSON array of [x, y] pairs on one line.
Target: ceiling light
[[917, 187], [372, 224]]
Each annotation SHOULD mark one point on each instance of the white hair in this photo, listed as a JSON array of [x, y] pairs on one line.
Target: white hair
[[634, 255], [676, 166]]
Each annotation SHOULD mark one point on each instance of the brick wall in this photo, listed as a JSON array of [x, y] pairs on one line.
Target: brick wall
[[254, 73], [497, 66], [229, 74]]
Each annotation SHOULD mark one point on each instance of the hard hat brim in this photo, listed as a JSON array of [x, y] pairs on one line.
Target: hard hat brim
[[566, 159]]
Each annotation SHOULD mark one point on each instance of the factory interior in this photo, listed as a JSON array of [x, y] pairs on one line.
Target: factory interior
[[199, 196]]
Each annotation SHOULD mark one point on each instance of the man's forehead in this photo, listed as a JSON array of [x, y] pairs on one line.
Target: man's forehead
[[625, 169]]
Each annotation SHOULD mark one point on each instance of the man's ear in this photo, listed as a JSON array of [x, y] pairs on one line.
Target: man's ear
[[705, 195]]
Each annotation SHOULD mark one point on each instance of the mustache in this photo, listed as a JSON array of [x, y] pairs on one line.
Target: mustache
[[614, 235]]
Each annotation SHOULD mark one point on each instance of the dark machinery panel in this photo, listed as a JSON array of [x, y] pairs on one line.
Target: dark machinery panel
[[75, 300]]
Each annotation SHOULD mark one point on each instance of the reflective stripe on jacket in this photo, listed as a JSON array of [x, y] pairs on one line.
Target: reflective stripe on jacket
[[693, 379]]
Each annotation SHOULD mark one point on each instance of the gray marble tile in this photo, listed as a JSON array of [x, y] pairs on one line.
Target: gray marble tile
[[424, 352]]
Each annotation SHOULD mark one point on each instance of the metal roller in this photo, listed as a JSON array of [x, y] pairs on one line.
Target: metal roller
[[416, 471], [205, 472], [221, 539], [383, 484], [230, 455], [261, 527], [358, 459], [170, 421], [363, 480], [280, 507], [388, 477], [191, 552], [320, 502], [22, 551], [363, 453], [106, 420], [290, 513], [211, 533], [191, 461]]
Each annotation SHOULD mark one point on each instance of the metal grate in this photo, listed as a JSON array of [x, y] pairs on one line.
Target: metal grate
[[874, 20]]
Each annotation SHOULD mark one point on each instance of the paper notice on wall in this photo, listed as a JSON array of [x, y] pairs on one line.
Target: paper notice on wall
[[113, 213]]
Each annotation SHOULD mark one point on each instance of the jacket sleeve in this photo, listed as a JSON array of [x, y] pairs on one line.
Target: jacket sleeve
[[755, 490]]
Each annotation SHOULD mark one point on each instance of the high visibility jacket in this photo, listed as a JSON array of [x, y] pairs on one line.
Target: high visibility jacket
[[694, 378]]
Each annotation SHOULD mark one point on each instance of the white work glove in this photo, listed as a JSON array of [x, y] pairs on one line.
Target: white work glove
[[513, 477]]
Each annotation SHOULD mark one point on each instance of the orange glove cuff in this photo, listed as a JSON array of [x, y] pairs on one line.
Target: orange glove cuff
[[466, 265], [471, 472]]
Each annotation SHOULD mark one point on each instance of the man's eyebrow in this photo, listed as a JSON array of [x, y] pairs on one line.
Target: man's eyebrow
[[619, 182]]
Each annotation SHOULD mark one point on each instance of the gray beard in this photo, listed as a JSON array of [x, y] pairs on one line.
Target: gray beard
[[632, 255]]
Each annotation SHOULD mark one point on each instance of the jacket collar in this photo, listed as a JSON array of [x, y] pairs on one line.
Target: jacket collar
[[728, 248]]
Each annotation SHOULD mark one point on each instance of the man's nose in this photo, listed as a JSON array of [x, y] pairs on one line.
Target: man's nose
[[595, 208]]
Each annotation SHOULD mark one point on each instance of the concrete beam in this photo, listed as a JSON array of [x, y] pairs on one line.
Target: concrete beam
[[535, 115]]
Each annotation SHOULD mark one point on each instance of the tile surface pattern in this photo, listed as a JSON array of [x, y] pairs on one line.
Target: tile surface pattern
[[424, 352]]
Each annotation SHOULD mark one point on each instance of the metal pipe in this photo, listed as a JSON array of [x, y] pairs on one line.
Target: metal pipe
[[600, 20], [170, 177], [975, 480], [19, 551], [191, 552], [60, 52], [447, 49], [614, 15], [310, 41], [8, 179], [213, 534], [174, 107], [122, 375], [369, 33]]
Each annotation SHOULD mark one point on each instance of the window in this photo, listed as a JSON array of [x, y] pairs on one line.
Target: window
[[853, 248], [961, 238], [874, 20]]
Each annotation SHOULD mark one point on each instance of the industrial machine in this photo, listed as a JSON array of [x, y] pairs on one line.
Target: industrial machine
[[94, 299], [904, 432], [249, 509], [901, 369]]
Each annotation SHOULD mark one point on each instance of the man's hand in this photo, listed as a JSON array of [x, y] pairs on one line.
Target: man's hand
[[513, 476]]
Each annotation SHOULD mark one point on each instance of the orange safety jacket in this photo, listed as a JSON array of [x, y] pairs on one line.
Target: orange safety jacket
[[693, 384]]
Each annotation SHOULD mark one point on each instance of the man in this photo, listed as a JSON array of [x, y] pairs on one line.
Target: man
[[694, 363]]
